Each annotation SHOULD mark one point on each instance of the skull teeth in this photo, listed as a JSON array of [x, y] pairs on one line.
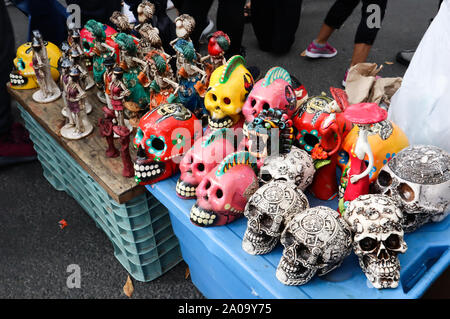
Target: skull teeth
[[220, 123], [16, 79], [287, 267], [201, 217], [185, 190], [149, 171]]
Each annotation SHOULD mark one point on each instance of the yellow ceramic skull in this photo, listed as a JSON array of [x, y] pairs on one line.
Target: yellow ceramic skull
[[22, 77], [228, 89]]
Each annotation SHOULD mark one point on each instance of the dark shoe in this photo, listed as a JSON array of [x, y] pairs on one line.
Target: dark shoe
[[404, 57], [16, 146]]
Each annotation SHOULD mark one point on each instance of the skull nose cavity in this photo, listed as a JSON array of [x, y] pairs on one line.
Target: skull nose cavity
[[141, 153]]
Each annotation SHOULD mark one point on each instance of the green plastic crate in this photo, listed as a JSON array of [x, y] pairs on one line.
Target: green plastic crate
[[140, 230]]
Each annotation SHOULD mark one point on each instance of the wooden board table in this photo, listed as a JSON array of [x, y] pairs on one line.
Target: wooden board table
[[89, 152], [136, 223]]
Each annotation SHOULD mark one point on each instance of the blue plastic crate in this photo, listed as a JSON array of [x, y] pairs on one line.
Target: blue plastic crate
[[140, 229], [220, 268]]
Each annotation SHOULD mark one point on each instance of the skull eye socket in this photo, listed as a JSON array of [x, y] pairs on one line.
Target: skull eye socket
[[368, 244], [392, 242], [158, 144], [214, 97], [266, 220], [253, 102], [384, 179], [227, 101], [303, 251], [207, 184], [288, 238], [266, 177], [311, 139], [406, 192]]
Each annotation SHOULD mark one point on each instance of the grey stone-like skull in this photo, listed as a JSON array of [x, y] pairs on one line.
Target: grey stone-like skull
[[418, 177], [269, 211], [315, 241], [297, 166], [378, 238]]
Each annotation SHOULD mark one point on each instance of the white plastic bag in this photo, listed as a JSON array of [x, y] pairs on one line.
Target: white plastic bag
[[421, 107]]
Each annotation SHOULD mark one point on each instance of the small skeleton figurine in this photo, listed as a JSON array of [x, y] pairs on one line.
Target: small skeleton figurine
[[150, 40], [100, 52], [121, 21], [218, 44], [76, 97], [145, 11], [109, 63], [74, 39], [65, 49], [187, 57], [49, 90], [163, 84], [185, 25], [65, 67], [118, 92], [78, 61]]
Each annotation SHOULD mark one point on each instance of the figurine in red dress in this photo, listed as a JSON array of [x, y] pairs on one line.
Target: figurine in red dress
[[363, 115]]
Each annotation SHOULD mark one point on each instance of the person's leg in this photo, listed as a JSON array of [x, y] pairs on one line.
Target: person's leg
[[336, 16], [231, 20], [7, 56], [368, 29]]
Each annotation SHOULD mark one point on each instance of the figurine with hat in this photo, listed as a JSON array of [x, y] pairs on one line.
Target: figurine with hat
[[357, 177], [80, 126], [48, 89]]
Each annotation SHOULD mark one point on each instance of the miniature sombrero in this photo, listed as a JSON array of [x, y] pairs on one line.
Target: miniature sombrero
[[365, 113]]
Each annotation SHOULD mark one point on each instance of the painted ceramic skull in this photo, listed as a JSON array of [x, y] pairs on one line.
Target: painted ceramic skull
[[23, 77], [418, 177], [270, 132], [316, 240], [228, 89], [268, 211], [163, 136], [275, 91], [201, 159], [224, 192], [296, 167], [378, 238]]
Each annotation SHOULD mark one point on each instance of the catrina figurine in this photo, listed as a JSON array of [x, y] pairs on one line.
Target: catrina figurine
[[48, 89], [79, 126]]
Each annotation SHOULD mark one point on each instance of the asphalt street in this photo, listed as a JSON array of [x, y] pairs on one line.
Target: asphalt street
[[35, 252]]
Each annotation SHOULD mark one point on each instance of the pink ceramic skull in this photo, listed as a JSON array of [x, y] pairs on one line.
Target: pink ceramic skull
[[275, 91], [202, 158], [224, 192]]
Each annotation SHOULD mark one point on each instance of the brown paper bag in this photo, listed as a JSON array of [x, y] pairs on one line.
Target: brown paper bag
[[363, 86]]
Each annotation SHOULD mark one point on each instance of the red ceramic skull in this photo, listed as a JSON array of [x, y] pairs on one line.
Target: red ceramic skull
[[164, 135], [275, 91], [224, 192], [202, 158], [320, 133]]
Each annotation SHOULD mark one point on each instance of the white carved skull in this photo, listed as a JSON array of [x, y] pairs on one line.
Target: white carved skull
[[418, 177], [315, 241], [378, 238], [268, 212], [297, 166]]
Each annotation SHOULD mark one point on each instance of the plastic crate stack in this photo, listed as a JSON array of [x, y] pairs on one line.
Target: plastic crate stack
[[140, 230]]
